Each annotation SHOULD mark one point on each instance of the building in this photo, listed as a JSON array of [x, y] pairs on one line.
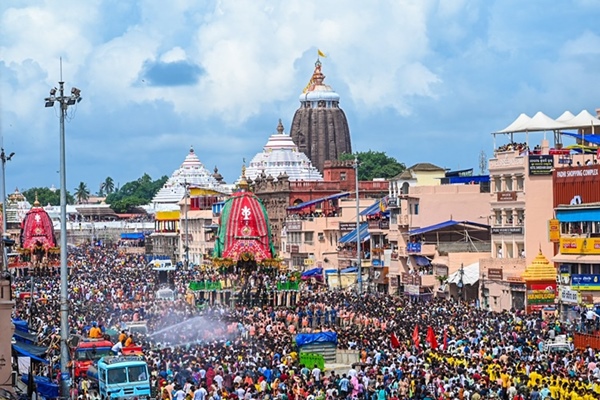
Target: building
[[576, 234], [437, 223], [523, 197], [319, 127], [190, 176]]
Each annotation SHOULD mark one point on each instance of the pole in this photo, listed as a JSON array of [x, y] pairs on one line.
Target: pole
[[187, 243], [64, 298], [4, 228], [358, 255], [64, 103]]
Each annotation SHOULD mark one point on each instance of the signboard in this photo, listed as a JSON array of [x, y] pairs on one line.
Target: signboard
[[571, 184], [495, 274], [507, 196], [579, 245], [293, 226], [380, 275], [412, 290], [540, 294], [411, 279], [585, 282], [392, 202], [507, 230], [294, 248], [554, 230], [569, 296], [541, 164], [347, 226]]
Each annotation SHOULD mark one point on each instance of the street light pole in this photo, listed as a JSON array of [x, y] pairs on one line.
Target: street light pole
[[5, 237], [187, 240], [358, 255], [64, 102]]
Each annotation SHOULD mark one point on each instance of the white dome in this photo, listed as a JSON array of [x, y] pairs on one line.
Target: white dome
[[280, 155], [320, 92], [194, 174]]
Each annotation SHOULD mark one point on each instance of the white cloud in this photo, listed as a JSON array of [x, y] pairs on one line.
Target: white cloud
[[586, 44], [173, 55]]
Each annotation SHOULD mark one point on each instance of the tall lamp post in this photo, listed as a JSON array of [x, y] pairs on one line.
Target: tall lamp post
[[64, 102], [358, 255], [186, 185], [4, 158]]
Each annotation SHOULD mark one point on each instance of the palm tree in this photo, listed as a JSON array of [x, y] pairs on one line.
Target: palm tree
[[82, 194], [108, 186]]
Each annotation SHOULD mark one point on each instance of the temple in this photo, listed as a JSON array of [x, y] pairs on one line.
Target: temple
[[320, 128], [281, 156], [192, 173]]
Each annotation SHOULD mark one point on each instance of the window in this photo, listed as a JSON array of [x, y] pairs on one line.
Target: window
[[497, 184], [295, 237], [509, 183], [417, 209], [520, 183], [308, 237], [498, 215], [342, 176]]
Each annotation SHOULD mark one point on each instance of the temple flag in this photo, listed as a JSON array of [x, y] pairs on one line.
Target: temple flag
[[320, 53], [394, 341], [415, 336]]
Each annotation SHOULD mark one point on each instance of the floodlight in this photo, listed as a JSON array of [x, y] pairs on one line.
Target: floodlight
[[52, 91], [49, 102], [71, 101]]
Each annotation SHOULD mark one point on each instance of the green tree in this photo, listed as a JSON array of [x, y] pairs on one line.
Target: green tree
[[108, 186], [140, 191], [375, 164], [46, 196], [82, 194], [127, 204]]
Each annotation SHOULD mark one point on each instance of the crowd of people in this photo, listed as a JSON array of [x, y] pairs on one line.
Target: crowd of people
[[404, 350]]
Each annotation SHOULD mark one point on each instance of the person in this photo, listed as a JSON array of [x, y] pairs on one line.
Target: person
[[118, 347], [95, 332], [122, 336], [129, 342]]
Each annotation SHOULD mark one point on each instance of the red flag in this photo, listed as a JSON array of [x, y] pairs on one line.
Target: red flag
[[415, 336], [445, 343], [431, 339], [394, 340]]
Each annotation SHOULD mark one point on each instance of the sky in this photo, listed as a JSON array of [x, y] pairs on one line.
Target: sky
[[422, 80]]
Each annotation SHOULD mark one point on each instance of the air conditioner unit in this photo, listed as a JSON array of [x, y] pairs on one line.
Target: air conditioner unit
[[321, 237]]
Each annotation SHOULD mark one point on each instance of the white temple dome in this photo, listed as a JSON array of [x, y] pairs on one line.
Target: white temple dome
[[191, 172], [281, 156]]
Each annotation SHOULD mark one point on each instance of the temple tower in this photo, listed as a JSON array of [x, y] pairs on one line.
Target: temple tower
[[320, 128]]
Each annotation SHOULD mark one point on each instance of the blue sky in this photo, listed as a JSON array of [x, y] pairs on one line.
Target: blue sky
[[424, 81]]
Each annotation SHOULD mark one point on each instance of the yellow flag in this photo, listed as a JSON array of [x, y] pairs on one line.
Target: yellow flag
[[320, 53]]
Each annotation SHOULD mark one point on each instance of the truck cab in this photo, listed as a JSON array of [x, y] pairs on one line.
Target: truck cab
[[88, 351], [121, 377]]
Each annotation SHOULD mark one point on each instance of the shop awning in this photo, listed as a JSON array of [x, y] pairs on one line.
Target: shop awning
[[577, 258], [29, 350], [422, 261], [350, 237], [317, 201]]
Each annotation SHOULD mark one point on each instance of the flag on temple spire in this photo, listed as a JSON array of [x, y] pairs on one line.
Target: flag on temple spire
[[415, 336], [431, 339], [321, 54]]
